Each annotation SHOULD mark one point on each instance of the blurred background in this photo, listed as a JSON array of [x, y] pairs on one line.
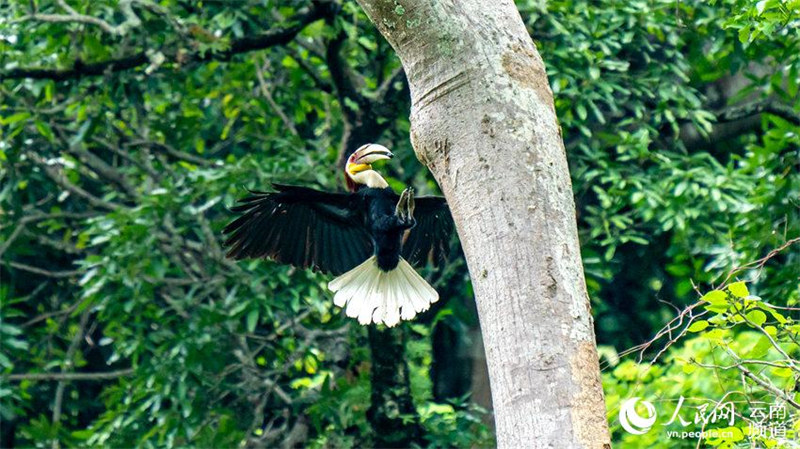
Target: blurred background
[[128, 128]]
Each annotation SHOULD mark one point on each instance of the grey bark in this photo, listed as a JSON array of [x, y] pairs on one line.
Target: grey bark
[[483, 121]]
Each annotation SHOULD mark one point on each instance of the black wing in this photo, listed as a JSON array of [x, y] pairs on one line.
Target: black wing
[[301, 227], [429, 240]]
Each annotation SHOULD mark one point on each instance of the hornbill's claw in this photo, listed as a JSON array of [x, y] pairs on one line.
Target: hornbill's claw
[[405, 206], [410, 205]]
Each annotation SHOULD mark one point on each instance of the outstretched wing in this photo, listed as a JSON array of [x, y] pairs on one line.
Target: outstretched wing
[[429, 240], [301, 227]]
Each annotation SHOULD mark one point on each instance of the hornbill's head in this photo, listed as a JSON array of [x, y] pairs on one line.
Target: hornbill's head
[[358, 171]]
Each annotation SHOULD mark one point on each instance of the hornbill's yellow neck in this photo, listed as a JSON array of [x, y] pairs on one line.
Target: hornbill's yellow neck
[[359, 167], [364, 174]]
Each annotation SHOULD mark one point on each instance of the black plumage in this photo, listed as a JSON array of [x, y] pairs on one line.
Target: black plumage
[[334, 232]]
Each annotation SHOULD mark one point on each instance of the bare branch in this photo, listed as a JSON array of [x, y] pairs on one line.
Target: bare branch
[[271, 101], [62, 181], [174, 152], [61, 245], [678, 325], [56, 215], [127, 156], [758, 264], [101, 168], [47, 315], [744, 361], [43, 272], [14, 234], [72, 16], [175, 306], [73, 347], [673, 330], [761, 382], [79, 69], [68, 377], [399, 75]]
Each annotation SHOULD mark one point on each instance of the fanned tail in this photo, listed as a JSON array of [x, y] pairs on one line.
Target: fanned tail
[[375, 296]]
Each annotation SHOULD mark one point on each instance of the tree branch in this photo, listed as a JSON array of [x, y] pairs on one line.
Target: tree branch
[[769, 106], [59, 178], [399, 75], [361, 124], [312, 72], [73, 347], [271, 101], [735, 121], [101, 168], [172, 151], [14, 234], [758, 264], [761, 382], [344, 79], [47, 315], [387, 97], [67, 377], [391, 404], [318, 10], [126, 155], [48, 273], [72, 16], [78, 70]]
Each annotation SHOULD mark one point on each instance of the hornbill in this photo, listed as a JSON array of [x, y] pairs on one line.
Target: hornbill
[[368, 238]]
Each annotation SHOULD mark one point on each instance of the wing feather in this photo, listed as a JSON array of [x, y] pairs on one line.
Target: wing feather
[[302, 227], [429, 240]]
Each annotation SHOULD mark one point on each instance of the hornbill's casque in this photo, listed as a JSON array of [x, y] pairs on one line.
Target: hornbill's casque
[[367, 237]]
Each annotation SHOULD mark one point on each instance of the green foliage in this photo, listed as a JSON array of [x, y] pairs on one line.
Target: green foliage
[[739, 350], [764, 19], [680, 122], [645, 93], [117, 187]]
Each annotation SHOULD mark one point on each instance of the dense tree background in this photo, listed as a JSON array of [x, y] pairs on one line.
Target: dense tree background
[[127, 128]]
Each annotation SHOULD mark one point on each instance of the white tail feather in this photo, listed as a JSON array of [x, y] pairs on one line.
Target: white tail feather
[[375, 296]]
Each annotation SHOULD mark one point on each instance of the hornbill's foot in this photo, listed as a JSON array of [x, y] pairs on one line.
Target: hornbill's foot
[[405, 207]]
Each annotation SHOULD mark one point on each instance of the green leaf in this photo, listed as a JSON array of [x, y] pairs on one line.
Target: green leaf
[[580, 109], [778, 316], [698, 326], [715, 297], [252, 320], [716, 335], [761, 348], [756, 317], [14, 118], [782, 372], [739, 289], [45, 130]]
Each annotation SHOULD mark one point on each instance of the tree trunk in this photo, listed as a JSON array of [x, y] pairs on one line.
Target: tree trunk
[[391, 391], [483, 121]]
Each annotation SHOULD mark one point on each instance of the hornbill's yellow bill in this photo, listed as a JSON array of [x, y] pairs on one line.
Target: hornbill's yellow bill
[[368, 237]]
